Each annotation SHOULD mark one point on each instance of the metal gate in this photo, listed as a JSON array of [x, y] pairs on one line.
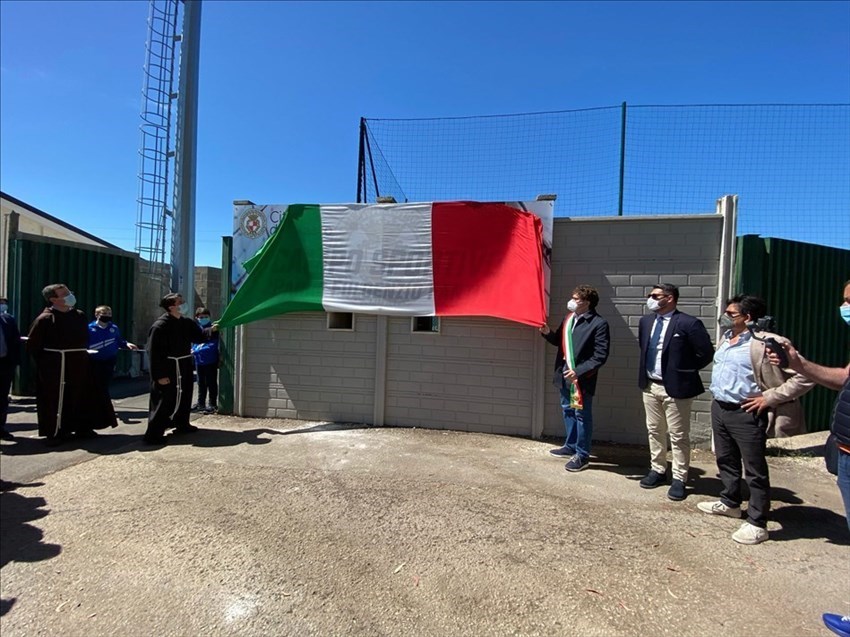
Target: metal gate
[[97, 276]]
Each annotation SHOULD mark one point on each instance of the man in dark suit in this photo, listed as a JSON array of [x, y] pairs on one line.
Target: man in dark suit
[[583, 341], [674, 346], [10, 358]]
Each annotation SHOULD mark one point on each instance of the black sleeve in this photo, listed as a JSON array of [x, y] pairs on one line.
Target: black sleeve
[[157, 352], [194, 332], [601, 345], [554, 337], [701, 343]]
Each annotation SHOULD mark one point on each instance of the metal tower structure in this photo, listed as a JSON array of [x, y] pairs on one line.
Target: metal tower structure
[[168, 142]]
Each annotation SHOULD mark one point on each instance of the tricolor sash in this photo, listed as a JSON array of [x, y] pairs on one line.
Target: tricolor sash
[[576, 398]]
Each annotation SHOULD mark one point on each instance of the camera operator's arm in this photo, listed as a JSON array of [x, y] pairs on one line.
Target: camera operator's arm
[[831, 377]]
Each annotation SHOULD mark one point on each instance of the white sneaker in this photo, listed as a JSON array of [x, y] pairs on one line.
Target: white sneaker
[[718, 508], [750, 534]]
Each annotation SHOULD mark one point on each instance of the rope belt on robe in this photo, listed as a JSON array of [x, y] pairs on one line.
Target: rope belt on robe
[[177, 360], [62, 353]]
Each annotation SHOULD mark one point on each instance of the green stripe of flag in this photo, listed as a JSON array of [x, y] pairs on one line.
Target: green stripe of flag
[[286, 274]]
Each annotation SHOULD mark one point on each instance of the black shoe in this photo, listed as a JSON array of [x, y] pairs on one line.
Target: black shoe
[[197, 407], [87, 433], [185, 429], [676, 492], [154, 440], [577, 463], [653, 479]]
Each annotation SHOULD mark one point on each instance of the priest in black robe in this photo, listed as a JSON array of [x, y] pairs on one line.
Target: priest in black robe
[[66, 399], [172, 369]]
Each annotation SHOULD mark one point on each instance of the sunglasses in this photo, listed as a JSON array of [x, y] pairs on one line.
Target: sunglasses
[[657, 297]]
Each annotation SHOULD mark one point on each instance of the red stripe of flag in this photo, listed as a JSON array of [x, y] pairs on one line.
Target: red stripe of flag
[[488, 261]]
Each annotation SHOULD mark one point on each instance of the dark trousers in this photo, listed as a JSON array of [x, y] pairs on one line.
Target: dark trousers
[[162, 402], [741, 437], [102, 372], [208, 380], [7, 373]]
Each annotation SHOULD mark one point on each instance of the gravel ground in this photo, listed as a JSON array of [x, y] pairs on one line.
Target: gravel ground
[[275, 527]]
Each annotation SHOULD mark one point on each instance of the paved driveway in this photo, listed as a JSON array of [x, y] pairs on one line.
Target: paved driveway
[[276, 527]]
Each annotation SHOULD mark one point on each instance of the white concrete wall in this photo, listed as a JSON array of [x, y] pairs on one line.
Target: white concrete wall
[[296, 368], [481, 374], [623, 258], [475, 375]]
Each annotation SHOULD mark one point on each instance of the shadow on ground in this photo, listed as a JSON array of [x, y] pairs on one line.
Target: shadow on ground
[[21, 541], [810, 523], [216, 438]]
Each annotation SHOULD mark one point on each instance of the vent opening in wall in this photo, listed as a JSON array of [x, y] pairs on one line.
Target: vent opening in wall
[[341, 321], [427, 324]]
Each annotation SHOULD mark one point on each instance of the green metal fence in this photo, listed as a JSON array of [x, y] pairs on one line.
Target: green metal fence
[[228, 335], [97, 276], [802, 284]]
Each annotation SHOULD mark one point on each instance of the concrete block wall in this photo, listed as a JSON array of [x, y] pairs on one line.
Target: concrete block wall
[[482, 374], [474, 375], [623, 258], [148, 293], [208, 289], [294, 367]]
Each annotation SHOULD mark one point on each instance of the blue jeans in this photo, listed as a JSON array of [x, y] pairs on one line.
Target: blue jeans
[[578, 424], [844, 481]]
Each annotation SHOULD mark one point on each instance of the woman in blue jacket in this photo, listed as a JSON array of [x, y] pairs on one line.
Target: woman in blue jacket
[[206, 364]]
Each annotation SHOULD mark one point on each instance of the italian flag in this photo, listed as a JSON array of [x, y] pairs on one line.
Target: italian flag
[[414, 259]]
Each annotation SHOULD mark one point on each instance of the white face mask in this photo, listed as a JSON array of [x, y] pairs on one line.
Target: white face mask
[[183, 309], [572, 305], [70, 300], [653, 304]]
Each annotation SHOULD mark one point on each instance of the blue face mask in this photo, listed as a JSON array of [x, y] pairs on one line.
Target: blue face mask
[[3, 308], [204, 321], [845, 313]]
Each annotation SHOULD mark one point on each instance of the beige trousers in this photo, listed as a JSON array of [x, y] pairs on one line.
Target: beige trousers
[[668, 415]]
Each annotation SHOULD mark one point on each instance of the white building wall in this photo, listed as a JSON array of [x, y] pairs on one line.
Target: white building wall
[[623, 257], [294, 367], [475, 375], [480, 374]]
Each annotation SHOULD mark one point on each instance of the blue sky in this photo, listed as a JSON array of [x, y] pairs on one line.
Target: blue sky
[[283, 85]]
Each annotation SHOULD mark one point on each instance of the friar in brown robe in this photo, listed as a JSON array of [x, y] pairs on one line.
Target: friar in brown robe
[[67, 400]]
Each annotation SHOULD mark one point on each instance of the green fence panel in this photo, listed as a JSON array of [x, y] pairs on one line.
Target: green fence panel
[[97, 276], [228, 335]]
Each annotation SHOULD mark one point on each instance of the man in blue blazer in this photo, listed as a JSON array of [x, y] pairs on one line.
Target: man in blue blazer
[[674, 346], [10, 358], [583, 342]]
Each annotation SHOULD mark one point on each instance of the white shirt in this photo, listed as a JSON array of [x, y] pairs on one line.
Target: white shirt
[[655, 374]]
